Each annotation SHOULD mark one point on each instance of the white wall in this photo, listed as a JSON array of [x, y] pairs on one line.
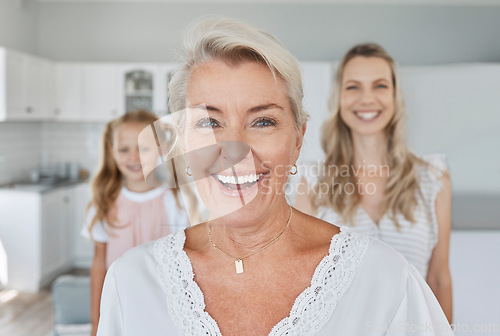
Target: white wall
[[27, 146], [18, 25], [418, 35], [454, 109], [20, 150], [476, 274]]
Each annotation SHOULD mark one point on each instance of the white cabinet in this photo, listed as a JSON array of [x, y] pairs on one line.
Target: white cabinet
[[27, 87], [36, 231], [57, 214], [100, 92], [68, 91], [144, 86], [83, 248], [32, 88]]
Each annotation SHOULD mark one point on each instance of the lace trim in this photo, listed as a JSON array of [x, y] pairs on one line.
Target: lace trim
[[310, 312]]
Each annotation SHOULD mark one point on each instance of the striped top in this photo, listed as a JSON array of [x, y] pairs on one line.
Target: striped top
[[414, 241]]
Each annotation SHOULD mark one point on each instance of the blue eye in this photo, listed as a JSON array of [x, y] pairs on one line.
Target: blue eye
[[207, 123], [265, 122], [381, 86], [351, 87], [123, 150]]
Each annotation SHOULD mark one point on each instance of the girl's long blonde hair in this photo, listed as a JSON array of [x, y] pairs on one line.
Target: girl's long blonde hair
[[108, 181], [402, 185]]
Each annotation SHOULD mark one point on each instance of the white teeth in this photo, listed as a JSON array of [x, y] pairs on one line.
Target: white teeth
[[367, 115], [241, 179]]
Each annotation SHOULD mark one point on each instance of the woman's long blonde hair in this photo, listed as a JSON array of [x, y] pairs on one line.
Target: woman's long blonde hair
[[402, 185], [108, 181]]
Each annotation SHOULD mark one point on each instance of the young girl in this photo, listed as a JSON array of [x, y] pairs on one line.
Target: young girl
[[126, 210], [371, 181]]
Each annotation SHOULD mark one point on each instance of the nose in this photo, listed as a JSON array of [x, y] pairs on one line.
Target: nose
[[136, 156], [367, 96], [233, 152]]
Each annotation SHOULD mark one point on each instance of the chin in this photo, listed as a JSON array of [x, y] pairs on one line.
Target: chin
[[242, 217]]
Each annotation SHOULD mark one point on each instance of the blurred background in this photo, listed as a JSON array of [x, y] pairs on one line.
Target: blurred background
[[69, 66]]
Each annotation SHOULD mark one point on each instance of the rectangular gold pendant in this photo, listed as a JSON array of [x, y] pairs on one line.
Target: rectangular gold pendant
[[239, 266]]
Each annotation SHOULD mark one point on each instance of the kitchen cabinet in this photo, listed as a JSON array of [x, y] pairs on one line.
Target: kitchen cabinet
[[26, 87], [144, 86], [100, 92], [68, 89], [83, 248], [57, 214], [36, 230]]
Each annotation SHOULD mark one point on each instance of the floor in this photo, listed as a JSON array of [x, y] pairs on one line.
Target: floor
[[23, 314], [27, 314]]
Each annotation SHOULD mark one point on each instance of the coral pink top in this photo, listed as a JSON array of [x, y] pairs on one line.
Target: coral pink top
[[141, 217]]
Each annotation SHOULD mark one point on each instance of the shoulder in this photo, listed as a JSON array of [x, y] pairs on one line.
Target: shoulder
[[136, 258], [385, 267], [434, 166], [146, 256]]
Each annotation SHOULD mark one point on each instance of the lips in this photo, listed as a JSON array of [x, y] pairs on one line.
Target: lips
[[367, 115], [134, 168]]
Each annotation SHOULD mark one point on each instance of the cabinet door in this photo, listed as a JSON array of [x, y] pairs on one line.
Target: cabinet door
[[161, 93], [99, 92], [137, 86], [47, 90], [29, 82], [15, 73], [68, 87], [56, 238], [83, 249]]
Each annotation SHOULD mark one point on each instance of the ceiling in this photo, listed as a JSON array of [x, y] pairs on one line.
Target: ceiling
[[376, 2]]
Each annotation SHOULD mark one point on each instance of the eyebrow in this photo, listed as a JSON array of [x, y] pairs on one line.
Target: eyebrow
[[254, 109], [376, 80]]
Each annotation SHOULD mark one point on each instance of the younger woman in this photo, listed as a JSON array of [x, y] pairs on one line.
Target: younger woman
[[371, 181], [125, 210]]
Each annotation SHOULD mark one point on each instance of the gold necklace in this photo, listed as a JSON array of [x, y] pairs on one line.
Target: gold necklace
[[238, 261]]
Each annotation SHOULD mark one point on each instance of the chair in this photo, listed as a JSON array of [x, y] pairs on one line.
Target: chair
[[71, 301]]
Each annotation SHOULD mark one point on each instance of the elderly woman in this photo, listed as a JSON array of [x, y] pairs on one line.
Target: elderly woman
[[258, 266]]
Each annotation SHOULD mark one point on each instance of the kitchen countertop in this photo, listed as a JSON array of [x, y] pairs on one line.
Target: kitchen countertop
[[41, 186]]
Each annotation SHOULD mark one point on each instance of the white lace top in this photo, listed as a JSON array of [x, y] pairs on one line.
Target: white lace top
[[361, 287]]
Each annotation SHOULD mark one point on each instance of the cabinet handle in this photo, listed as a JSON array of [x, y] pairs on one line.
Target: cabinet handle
[[66, 199], [29, 109], [57, 111]]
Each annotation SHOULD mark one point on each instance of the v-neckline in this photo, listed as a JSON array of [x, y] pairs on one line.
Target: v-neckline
[[372, 221], [341, 252]]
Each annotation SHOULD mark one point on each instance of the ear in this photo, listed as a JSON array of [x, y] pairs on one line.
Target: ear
[[299, 141]]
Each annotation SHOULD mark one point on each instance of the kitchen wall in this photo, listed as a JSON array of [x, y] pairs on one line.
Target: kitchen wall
[[27, 146], [73, 142], [19, 24], [20, 149], [138, 31]]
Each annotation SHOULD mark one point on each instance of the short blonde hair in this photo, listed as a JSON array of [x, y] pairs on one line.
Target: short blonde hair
[[231, 41]]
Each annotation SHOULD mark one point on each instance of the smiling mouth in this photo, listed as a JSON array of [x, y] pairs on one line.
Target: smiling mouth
[[367, 115], [242, 182], [134, 168]]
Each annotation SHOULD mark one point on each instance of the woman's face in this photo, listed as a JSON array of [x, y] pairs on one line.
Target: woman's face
[[240, 139], [367, 95]]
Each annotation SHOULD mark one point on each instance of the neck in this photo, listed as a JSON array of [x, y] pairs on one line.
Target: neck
[[369, 149], [239, 241], [142, 186]]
